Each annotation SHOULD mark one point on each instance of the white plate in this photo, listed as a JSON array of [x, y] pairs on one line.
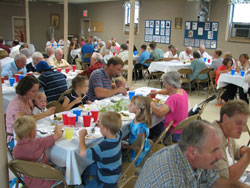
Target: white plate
[[51, 117], [130, 116], [90, 135]]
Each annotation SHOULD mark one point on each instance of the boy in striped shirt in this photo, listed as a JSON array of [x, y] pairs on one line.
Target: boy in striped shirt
[[106, 155]]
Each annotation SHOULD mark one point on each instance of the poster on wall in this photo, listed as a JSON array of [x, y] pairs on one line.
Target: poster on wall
[[201, 33], [158, 31]]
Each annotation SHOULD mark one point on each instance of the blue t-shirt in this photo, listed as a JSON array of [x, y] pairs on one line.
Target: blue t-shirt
[[86, 48], [136, 129], [11, 67], [143, 57], [108, 158]]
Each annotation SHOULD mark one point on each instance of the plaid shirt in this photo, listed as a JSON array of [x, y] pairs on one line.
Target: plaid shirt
[[170, 168], [91, 68]]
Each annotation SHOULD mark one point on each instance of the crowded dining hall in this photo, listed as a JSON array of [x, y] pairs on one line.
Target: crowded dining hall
[[125, 93]]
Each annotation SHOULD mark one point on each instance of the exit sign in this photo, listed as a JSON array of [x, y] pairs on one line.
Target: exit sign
[[85, 13]]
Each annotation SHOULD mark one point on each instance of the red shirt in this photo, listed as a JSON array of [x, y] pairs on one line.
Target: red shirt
[[34, 150], [5, 48], [220, 68], [91, 68]]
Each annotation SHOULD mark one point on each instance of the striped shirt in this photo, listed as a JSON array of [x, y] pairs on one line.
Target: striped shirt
[[54, 84], [169, 167], [98, 78], [107, 156]]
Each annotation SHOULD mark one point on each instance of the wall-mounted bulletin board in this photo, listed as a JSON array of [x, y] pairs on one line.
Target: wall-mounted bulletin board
[[201, 33], [158, 31]]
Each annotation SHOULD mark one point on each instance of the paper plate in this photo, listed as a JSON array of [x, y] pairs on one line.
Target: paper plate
[[95, 135]]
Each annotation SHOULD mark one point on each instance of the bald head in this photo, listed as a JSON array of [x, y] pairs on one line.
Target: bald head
[[59, 54], [189, 50], [49, 51], [202, 49], [20, 61]]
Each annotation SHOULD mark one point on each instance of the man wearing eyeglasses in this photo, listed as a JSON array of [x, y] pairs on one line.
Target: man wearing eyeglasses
[[233, 119]]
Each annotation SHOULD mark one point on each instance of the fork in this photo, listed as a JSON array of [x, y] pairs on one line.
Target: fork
[[93, 129]]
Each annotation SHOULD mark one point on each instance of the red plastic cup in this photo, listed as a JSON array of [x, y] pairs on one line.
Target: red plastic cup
[[67, 70], [191, 59], [95, 114], [86, 120], [17, 77], [74, 68], [59, 69], [153, 95], [65, 118], [208, 60], [29, 74], [113, 53], [2, 80], [71, 119]]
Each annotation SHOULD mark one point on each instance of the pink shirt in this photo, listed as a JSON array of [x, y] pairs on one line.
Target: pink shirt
[[178, 105], [34, 150], [16, 106]]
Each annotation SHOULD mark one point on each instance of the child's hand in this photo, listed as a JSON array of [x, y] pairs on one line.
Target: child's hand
[[83, 133], [58, 132], [51, 111]]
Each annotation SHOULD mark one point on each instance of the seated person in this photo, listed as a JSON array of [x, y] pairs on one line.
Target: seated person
[[197, 65], [30, 148], [111, 165], [53, 82], [78, 94], [233, 119], [203, 53], [4, 47], [123, 54], [186, 55], [95, 63], [156, 53], [58, 61], [51, 43], [217, 60], [175, 108], [50, 52], [107, 49], [244, 63], [140, 106], [40, 103], [15, 48], [116, 47], [121, 82], [171, 55], [134, 47], [36, 57], [143, 57], [16, 67], [100, 81], [86, 48]]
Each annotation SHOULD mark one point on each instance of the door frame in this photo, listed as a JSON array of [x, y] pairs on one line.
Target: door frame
[[84, 19]]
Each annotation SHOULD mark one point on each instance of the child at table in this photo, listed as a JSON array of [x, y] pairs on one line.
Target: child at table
[[40, 103], [140, 106], [78, 95], [106, 155], [121, 82], [30, 148]]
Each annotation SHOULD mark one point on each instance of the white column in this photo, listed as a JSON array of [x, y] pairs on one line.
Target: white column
[[65, 29], [131, 41], [4, 175], [27, 16]]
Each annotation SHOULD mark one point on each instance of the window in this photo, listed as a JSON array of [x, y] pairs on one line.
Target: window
[[127, 16], [240, 23]]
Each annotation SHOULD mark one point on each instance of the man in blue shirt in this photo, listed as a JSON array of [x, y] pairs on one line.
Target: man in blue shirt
[[87, 48], [143, 57], [16, 67]]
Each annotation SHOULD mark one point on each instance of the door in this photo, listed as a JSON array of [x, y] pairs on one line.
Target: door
[[85, 27], [19, 28]]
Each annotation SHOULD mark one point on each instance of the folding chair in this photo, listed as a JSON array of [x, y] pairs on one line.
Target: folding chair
[[186, 75], [126, 70], [35, 170], [56, 104], [61, 98], [129, 183], [198, 81], [145, 70], [86, 56]]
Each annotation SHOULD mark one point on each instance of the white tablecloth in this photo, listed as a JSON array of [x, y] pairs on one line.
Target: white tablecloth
[[236, 79], [75, 52]]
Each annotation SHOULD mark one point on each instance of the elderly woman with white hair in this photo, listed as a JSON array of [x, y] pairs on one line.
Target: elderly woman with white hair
[[175, 107], [36, 57]]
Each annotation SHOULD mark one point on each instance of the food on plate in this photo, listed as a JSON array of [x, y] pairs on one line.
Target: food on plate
[[124, 114], [82, 106], [58, 117], [159, 101], [90, 136]]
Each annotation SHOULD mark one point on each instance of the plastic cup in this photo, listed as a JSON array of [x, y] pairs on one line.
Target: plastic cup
[[208, 60], [191, 59], [20, 76], [95, 114], [113, 53], [131, 94], [65, 118], [12, 81], [77, 112], [29, 74], [2, 80], [69, 131], [232, 71], [59, 69], [87, 120], [74, 68], [72, 119], [16, 77], [67, 70], [153, 95], [242, 73], [205, 59]]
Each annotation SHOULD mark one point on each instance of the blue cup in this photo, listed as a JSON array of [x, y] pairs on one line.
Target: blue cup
[[131, 94], [20, 76], [232, 71], [242, 73], [205, 59], [77, 112], [135, 53], [12, 81]]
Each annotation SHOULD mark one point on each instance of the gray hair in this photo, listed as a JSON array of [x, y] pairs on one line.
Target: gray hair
[[97, 56], [19, 57], [37, 55], [196, 133], [50, 49], [173, 78], [57, 50], [26, 52]]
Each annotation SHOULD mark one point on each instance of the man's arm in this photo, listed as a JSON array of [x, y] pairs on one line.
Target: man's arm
[[225, 183], [104, 93]]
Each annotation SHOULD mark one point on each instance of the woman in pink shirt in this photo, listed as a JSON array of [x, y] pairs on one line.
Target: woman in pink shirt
[[175, 108], [22, 104]]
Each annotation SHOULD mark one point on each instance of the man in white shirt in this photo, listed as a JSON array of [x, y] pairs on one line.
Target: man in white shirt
[[15, 49], [123, 54], [52, 43], [187, 54], [203, 53], [171, 54]]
